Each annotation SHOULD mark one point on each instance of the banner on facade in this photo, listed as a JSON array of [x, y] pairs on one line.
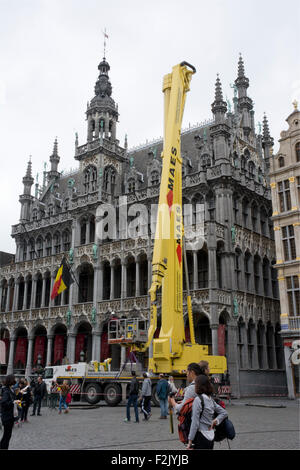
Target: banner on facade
[[21, 351], [79, 345], [39, 349], [104, 346], [59, 343], [221, 340]]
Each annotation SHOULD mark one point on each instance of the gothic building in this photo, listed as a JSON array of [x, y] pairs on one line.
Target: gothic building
[[231, 250]]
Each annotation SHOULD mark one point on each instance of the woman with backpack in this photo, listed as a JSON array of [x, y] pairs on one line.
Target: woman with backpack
[[201, 435]]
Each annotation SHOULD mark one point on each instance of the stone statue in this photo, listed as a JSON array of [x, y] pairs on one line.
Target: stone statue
[[235, 307], [233, 234], [69, 315], [71, 255], [234, 88], [95, 251], [94, 312]]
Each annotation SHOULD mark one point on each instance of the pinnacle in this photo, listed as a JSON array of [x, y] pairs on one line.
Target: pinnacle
[[29, 168], [218, 92], [241, 68]]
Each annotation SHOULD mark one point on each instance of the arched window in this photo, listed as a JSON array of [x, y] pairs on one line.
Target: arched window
[[281, 161], [256, 267], [154, 178], [131, 185], [34, 214], [48, 242], [241, 344], [238, 272], [57, 243], [251, 168], [211, 206], [66, 240], [24, 250], [297, 151], [245, 210], [247, 270], [31, 249], [39, 247], [50, 210], [198, 208], [109, 180], [90, 179], [86, 283]]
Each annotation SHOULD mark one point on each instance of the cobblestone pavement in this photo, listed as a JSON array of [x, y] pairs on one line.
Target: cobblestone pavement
[[262, 424]]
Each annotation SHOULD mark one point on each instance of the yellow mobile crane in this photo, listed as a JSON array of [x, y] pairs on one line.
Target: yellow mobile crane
[[171, 352]]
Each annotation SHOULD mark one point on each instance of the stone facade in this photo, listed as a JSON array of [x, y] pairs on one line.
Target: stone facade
[[228, 226], [285, 184]]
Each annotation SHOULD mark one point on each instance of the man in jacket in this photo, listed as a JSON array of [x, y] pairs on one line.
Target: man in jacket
[[162, 390], [38, 394], [7, 410], [146, 397], [133, 398]]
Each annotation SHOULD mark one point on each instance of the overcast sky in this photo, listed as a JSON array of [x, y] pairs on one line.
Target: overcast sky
[[50, 51]]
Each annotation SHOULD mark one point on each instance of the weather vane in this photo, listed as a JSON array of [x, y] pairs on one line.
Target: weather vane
[[105, 37]]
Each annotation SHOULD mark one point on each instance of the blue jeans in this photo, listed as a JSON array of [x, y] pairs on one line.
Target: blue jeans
[[62, 403], [163, 402], [132, 400]]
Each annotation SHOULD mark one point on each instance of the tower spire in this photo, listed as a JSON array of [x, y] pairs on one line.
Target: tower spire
[[105, 36], [26, 198], [219, 106], [54, 160], [267, 141]]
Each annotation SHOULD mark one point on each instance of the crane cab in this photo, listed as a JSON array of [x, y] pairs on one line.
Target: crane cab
[[127, 330]]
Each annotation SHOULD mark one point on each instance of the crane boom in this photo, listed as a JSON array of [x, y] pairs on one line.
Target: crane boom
[[171, 351]]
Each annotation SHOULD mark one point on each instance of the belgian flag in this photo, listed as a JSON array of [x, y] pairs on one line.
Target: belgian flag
[[63, 279]]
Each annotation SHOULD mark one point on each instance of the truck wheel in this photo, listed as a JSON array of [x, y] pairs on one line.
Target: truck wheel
[[112, 394], [92, 393], [154, 399]]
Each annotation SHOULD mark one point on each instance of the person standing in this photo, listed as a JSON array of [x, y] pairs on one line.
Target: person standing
[[7, 410], [26, 400], [193, 370], [133, 398], [201, 435], [38, 395], [64, 390], [53, 396], [162, 390], [146, 397], [172, 386]]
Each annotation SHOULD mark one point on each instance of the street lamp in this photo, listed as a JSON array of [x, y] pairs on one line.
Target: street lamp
[[81, 356]]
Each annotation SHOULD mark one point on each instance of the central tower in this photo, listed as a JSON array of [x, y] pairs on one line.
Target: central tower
[[102, 111]]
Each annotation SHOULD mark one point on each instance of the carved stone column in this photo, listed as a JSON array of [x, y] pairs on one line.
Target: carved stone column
[[112, 280], [43, 291], [49, 349], [10, 365], [28, 369], [137, 278]]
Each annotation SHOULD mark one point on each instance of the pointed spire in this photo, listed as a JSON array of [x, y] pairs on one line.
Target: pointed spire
[[55, 152], [219, 106], [242, 82], [241, 68], [267, 139], [29, 169], [54, 160], [218, 92]]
